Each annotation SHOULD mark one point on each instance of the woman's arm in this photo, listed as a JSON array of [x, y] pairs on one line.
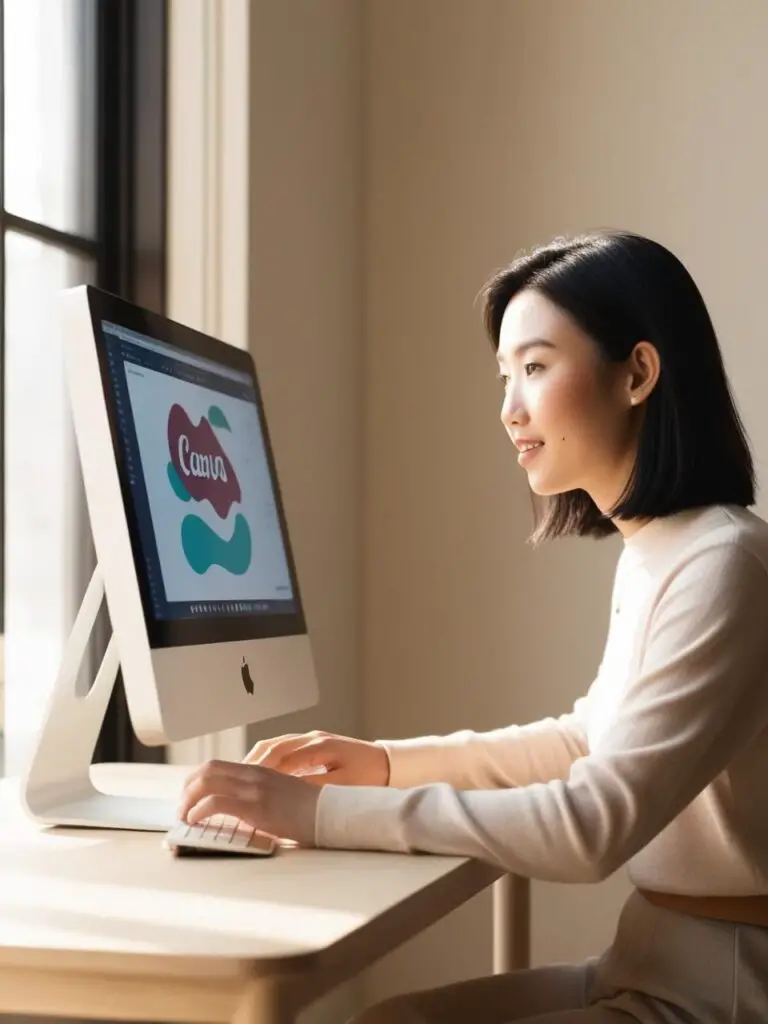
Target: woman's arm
[[502, 759], [700, 696]]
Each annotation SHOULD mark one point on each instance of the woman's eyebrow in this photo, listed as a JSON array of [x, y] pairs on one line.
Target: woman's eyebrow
[[523, 348]]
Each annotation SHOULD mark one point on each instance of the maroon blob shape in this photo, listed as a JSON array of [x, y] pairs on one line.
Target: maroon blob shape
[[201, 463]]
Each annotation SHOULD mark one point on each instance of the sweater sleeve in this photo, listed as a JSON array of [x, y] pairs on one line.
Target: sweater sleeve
[[501, 759], [698, 696]]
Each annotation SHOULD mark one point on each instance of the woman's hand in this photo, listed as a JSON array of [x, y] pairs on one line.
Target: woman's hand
[[270, 801], [324, 758]]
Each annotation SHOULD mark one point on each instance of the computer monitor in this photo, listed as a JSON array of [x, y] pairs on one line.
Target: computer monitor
[[188, 522]]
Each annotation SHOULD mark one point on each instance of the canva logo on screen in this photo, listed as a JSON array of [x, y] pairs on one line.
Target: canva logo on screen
[[200, 470]]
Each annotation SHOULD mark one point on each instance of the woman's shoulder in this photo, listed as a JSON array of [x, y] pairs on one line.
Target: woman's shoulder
[[726, 534], [709, 551], [719, 529], [719, 554]]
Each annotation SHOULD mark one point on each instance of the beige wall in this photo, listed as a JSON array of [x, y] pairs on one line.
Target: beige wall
[[306, 326], [492, 125], [306, 313]]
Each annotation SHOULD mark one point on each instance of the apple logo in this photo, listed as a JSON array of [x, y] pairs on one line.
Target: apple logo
[[245, 672]]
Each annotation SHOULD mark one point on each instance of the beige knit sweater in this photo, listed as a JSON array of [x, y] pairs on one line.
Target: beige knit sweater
[[662, 765]]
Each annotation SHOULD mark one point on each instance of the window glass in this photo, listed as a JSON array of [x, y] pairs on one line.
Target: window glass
[[50, 112]]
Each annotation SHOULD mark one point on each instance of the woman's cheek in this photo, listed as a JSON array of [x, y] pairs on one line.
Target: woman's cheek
[[556, 404]]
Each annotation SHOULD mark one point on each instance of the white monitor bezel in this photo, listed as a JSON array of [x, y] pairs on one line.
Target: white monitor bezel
[[166, 664]]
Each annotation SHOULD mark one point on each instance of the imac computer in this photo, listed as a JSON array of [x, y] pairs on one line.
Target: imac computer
[[193, 554]]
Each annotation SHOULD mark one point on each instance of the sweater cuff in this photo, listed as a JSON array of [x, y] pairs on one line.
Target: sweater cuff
[[359, 818]]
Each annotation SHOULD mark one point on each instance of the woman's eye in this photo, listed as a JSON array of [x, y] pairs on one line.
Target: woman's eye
[[504, 380], [531, 367]]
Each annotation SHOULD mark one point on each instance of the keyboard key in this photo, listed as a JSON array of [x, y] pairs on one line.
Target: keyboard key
[[218, 836]]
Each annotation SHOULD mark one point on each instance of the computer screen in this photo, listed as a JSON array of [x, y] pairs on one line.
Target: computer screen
[[204, 510]]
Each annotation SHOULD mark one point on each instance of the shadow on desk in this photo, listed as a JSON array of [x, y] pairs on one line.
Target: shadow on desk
[[123, 891]]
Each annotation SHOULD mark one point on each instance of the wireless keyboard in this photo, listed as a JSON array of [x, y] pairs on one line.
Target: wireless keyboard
[[219, 835]]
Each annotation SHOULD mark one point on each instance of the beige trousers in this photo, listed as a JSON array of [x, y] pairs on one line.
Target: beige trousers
[[662, 968]]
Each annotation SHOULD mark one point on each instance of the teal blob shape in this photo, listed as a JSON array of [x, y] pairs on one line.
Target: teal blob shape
[[203, 547], [217, 418], [175, 481]]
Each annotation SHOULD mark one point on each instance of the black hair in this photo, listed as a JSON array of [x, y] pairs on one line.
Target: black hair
[[621, 288]]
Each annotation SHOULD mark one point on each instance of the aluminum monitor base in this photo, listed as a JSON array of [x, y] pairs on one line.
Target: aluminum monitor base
[[57, 788]]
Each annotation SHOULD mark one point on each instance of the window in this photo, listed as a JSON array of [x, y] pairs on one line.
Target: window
[[82, 199]]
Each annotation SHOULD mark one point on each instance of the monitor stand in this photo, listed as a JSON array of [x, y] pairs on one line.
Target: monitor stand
[[58, 788]]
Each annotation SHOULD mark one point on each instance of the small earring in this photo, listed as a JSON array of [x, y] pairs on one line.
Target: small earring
[[633, 399]]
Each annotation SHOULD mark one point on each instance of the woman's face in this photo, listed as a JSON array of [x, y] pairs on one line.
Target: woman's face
[[562, 396]]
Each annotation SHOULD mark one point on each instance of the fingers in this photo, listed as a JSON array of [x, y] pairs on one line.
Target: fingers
[[312, 754], [268, 800], [274, 752], [224, 779], [217, 804], [209, 768], [262, 749]]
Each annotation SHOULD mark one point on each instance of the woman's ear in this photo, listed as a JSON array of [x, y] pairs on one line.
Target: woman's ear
[[644, 367]]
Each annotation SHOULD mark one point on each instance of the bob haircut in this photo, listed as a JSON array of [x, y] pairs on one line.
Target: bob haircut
[[621, 288]]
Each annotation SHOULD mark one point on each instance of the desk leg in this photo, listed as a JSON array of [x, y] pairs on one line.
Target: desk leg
[[511, 924], [265, 1001]]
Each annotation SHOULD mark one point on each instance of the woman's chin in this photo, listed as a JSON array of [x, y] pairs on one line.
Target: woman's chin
[[539, 486], [542, 487]]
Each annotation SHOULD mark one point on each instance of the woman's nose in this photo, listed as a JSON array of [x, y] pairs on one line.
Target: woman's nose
[[513, 412]]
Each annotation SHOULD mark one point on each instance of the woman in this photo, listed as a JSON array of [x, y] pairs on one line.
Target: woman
[[616, 398]]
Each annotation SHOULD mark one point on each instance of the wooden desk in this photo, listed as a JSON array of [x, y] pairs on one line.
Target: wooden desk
[[109, 925]]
